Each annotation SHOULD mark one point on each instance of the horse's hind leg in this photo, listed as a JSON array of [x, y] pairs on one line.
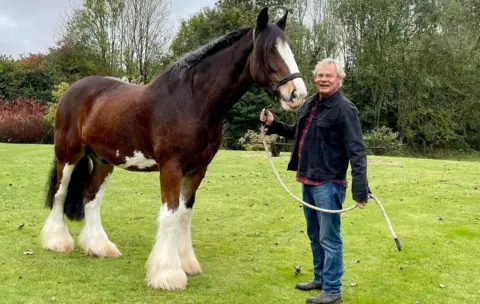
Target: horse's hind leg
[[55, 235], [190, 183], [93, 238]]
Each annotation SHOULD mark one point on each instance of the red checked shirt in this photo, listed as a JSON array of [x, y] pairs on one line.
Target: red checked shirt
[[306, 127]]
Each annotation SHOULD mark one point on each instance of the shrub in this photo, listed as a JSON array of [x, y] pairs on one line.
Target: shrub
[[382, 141], [49, 118], [22, 121], [59, 90], [252, 141], [49, 123]]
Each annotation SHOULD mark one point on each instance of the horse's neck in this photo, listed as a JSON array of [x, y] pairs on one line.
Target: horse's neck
[[223, 79]]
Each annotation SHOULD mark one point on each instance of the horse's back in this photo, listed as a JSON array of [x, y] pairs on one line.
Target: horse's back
[[81, 90], [104, 113]]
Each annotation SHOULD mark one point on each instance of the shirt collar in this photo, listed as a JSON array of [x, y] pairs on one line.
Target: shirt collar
[[326, 102]]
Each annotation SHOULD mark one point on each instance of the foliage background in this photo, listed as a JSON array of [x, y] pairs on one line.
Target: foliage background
[[412, 66]]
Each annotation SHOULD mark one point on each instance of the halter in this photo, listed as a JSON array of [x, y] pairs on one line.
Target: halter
[[275, 85]]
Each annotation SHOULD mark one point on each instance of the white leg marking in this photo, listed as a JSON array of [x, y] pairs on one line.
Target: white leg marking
[[187, 255], [138, 160], [164, 269], [93, 238], [287, 55], [55, 235]]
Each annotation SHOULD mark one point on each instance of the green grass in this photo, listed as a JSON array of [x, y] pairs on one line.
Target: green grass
[[248, 234]]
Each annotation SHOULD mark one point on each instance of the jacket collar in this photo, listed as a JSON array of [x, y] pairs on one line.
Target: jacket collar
[[326, 102], [329, 102]]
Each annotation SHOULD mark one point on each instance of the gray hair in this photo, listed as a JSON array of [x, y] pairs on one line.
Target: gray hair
[[328, 61]]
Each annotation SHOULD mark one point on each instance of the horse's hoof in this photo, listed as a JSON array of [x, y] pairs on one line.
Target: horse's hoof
[[107, 250], [191, 266], [171, 279], [59, 245], [99, 246], [58, 240]]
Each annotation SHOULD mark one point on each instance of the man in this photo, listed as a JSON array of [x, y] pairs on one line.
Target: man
[[327, 135]]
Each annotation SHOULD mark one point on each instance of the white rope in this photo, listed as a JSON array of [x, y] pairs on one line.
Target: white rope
[[389, 224], [293, 195]]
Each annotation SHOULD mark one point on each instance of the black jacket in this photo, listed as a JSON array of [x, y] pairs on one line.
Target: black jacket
[[334, 138]]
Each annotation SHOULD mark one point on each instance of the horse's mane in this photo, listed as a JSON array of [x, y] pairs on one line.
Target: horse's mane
[[266, 38], [194, 57]]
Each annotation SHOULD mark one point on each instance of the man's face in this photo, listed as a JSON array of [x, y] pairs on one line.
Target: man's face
[[327, 80]]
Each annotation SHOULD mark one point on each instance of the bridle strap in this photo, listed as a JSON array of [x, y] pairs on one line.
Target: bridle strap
[[276, 85]]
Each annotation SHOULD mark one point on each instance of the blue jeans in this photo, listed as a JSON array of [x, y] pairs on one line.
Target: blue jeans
[[323, 230]]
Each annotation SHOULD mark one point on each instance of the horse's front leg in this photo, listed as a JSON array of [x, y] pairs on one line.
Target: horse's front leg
[[190, 183], [164, 268]]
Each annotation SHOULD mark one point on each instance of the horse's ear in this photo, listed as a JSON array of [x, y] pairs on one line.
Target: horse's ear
[[262, 19], [282, 23]]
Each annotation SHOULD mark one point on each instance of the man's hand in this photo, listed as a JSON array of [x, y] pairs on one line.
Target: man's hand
[[266, 119], [361, 205]]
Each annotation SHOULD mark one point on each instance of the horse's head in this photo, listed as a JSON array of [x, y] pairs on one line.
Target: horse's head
[[272, 63]]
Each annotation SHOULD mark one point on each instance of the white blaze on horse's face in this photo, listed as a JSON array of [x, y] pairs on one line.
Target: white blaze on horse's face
[[292, 97]]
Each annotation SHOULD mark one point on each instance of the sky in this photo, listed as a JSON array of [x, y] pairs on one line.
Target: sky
[[31, 26]]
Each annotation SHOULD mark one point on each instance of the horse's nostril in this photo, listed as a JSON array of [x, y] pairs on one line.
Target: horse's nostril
[[294, 95]]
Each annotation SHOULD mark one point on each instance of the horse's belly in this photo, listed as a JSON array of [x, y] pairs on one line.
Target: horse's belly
[[117, 142], [138, 162], [131, 160]]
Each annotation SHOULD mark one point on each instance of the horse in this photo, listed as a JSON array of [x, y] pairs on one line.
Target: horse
[[172, 125]]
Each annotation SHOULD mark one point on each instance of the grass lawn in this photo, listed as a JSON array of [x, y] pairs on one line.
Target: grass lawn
[[248, 234]]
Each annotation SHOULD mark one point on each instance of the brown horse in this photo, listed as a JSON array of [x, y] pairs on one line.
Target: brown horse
[[172, 125]]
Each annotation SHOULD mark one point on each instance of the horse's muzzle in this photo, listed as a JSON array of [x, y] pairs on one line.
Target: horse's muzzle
[[294, 104]]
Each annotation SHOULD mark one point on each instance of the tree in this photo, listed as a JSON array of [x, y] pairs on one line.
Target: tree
[[411, 65], [96, 24], [30, 76], [144, 32], [127, 36], [74, 60], [207, 25], [9, 81], [313, 35], [36, 77]]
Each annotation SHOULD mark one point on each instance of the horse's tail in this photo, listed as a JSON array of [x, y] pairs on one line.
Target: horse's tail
[[51, 184], [73, 206]]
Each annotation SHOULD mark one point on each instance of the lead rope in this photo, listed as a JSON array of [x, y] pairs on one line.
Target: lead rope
[[389, 224]]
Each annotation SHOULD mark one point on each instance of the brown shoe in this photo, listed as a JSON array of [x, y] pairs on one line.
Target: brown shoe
[[308, 286], [324, 298]]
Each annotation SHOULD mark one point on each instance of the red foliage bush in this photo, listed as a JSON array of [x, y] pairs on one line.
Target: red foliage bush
[[22, 121]]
